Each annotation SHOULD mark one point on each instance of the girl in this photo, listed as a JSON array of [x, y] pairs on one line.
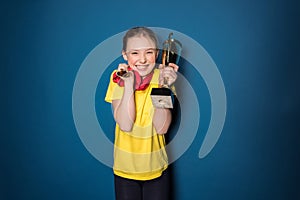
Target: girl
[[140, 158]]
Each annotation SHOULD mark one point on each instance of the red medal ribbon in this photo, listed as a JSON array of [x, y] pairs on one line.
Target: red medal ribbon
[[140, 83]]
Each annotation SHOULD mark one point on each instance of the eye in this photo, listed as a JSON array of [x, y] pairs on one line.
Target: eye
[[150, 52], [134, 53]]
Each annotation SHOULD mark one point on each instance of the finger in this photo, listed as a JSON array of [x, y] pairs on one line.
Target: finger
[[122, 66], [169, 72], [170, 75], [174, 66], [129, 74], [122, 73]]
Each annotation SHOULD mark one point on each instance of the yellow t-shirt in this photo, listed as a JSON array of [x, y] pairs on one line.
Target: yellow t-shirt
[[139, 154]]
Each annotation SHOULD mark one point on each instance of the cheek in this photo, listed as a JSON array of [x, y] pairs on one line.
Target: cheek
[[152, 59], [131, 60]]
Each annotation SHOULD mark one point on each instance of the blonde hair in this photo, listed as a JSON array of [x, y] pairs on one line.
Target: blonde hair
[[139, 31]]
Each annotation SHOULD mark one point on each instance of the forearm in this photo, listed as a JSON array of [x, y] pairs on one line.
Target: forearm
[[124, 110], [161, 120]]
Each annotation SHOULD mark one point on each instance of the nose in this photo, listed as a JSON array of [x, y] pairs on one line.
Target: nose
[[143, 58]]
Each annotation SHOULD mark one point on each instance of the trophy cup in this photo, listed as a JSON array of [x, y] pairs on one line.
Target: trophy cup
[[162, 97]]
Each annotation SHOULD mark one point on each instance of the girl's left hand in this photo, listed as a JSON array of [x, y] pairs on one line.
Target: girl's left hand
[[168, 73]]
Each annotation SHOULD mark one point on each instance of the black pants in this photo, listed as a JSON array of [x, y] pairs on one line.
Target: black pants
[[155, 189]]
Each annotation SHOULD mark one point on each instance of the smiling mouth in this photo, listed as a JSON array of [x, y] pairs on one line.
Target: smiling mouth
[[142, 67]]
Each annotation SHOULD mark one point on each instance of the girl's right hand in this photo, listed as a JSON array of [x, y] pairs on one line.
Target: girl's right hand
[[128, 77], [123, 66]]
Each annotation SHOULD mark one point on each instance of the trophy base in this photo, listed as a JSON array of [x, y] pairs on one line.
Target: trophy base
[[162, 98]]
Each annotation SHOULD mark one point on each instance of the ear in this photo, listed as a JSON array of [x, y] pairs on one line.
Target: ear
[[157, 52], [124, 55]]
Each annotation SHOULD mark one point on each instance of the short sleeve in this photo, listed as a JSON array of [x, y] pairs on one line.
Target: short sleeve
[[114, 91]]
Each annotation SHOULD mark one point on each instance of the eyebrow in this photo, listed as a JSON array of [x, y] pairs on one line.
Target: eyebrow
[[145, 49]]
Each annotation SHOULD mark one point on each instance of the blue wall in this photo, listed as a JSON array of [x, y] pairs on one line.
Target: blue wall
[[255, 45]]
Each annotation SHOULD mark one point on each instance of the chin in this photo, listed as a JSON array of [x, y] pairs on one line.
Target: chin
[[144, 73]]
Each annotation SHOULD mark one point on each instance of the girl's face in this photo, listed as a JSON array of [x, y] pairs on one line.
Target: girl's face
[[141, 54]]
